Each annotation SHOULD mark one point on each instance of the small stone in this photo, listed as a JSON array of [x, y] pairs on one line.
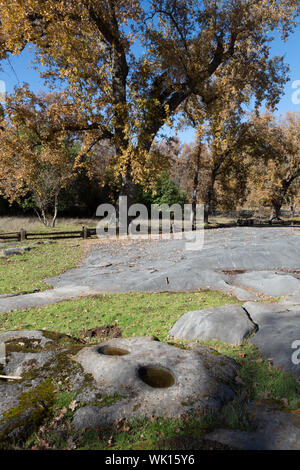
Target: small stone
[[11, 252]]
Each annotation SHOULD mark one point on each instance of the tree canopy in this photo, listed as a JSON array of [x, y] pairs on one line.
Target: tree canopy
[[275, 171], [38, 156], [130, 65]]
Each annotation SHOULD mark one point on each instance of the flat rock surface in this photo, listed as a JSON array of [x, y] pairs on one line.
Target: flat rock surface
[[274, 430], [243, 294], [229, 324], [47, 297], [278, 329], [202, 380], [36, 336], [260, 312], [168, 265], [268, 283], [291, 299], [159, 265]]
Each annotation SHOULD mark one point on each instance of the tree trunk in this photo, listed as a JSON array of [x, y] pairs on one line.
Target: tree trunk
[[206, 213], [275, 213], [195, 187], [55, 211], [130, 190], [45, 221], [39, 217], [293, 209], [280, 197], [209, 196]]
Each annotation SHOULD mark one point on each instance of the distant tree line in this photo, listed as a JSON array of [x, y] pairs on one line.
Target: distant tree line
[[198, 63]]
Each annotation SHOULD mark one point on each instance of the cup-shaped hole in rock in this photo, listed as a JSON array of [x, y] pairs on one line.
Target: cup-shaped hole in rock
[[156, 377], [112, 351]]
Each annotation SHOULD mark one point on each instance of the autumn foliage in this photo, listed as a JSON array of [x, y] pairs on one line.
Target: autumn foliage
[[127, 68], [275, 169]]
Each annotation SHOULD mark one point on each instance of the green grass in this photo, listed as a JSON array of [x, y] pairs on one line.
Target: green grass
[[259, 382], [141, 314], [262, 380], [152, 314], [26, 272], [143, 434], [137, 314]]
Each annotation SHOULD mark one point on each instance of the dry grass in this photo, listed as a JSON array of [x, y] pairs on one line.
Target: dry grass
[[14, 224], [219, 219]]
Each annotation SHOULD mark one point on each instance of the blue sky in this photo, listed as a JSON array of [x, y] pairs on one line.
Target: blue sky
[[17, 70], [290, 50]]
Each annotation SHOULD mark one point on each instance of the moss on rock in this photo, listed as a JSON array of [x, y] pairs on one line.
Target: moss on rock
[[34, 407]]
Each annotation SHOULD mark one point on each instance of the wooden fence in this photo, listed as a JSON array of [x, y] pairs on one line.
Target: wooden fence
[[23, 235]]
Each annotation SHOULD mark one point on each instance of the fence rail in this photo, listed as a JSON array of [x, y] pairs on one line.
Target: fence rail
[[23, 235]]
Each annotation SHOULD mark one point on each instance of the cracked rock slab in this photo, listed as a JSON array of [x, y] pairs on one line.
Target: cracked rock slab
[[202, 379], [269, 283], [243, 294], [229, 324], [176, 268], [278, 330], [260, 312], [291, 299], [22, 302], [168, 265]]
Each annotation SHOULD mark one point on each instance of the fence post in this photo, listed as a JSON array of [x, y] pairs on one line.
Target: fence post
[[22, 235], [84, 232]]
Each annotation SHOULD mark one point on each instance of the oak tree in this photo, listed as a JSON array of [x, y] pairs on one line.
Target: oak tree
[[275, 170], [131, 64], [37, 155]]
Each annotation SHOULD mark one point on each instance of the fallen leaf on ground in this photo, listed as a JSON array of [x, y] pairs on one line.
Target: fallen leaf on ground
[[73, 405], [239, 380]]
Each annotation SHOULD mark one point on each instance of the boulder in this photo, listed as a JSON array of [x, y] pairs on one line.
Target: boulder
[[150, 378], [229, 324], [118, 379]]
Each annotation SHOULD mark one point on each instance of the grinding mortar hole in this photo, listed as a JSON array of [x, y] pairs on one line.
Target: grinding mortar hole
[[156, 377], [112, 351]]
